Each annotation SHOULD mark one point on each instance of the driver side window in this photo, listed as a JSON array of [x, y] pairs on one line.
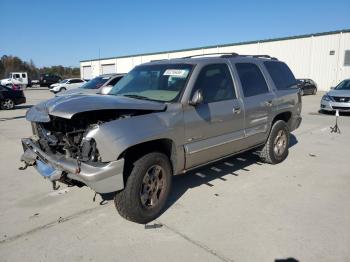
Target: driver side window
[[215, 83]]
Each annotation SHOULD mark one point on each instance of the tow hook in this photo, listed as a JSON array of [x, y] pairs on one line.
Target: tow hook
[[78, 169], [23, 167], [55, 186]]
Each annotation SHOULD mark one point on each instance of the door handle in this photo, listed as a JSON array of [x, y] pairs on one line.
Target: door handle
[[236, 110], [268, 103]]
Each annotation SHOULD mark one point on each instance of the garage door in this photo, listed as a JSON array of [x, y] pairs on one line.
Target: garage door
[[108, 69], [87, 72]]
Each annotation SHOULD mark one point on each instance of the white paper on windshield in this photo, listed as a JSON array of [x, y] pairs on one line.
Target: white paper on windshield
[[176, 72]]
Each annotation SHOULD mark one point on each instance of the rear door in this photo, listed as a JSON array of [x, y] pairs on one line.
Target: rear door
[[215, 127], [258, 102]]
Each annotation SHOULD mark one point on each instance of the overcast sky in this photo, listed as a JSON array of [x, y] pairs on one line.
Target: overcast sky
[[67, 31]]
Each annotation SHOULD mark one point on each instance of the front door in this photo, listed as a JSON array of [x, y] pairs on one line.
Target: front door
[[215, 127]]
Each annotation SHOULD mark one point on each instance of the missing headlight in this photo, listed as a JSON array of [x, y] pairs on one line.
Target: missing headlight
[[89, 151]]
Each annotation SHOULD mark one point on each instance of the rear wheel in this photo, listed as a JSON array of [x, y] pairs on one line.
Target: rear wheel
[[276, 148], [147, 188], [7, 104]]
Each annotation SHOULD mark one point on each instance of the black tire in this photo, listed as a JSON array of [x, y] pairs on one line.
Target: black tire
[[315, 91], [7, 104], [269, 153], [129, 202]]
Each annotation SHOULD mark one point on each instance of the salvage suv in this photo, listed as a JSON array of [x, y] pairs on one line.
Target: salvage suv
[[164, 118]]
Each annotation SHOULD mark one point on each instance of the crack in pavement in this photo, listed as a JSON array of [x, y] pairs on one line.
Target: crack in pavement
[[196, 243], [51, 224]]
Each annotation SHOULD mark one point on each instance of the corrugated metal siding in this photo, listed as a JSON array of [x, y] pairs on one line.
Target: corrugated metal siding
[[308, 57]]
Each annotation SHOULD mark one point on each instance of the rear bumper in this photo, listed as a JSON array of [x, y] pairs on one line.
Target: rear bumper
[[21, 100], [103, 178], [296, 121]]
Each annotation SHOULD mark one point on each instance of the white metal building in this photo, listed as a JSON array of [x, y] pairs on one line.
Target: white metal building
[[323, 57]]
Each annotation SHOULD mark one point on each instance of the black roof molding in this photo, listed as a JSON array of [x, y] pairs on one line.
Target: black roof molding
[[225, 45]]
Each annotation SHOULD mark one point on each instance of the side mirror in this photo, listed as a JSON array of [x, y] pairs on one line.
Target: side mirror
[[197, 98], [105, 90]]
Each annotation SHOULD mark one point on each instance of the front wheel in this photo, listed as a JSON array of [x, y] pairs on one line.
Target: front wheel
[[7, 104], [147, 188], [276, 148]]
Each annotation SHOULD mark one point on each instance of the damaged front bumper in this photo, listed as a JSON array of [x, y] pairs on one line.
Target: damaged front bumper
[[103, 177]]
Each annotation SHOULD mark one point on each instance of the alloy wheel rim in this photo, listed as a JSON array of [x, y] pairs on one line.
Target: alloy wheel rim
[[280, 143], [152, 187], [8, 104]]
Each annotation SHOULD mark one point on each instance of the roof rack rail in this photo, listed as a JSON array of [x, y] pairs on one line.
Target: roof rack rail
[[226, 55], [157, 60], [264, 56]]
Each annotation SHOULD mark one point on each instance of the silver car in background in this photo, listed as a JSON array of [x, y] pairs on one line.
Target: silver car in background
[[99, 85], [338, 98]]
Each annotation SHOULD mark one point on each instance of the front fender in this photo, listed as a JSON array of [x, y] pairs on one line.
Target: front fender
[[113, 138]]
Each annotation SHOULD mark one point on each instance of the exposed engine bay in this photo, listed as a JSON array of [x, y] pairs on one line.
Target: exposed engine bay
[[68, 136]]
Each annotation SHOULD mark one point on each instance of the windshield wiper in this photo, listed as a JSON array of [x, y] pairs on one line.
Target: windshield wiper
[[139, 97]]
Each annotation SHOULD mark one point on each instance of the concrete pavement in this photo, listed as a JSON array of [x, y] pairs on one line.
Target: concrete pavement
[[235, 210]]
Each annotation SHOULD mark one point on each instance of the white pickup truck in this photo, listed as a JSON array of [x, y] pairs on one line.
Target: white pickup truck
[[16, 78]]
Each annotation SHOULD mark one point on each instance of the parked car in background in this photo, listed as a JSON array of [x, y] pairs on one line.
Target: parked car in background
[[162, 119], [99, 85], [307, 86], [9, 97], [338, 98], [34, 83], [66, 84], [49, 79], [16, 78]]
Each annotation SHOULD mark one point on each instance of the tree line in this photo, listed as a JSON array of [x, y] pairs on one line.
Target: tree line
[[10, 64]]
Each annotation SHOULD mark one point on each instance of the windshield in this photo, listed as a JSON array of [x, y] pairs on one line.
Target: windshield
[[64, 81], [95, 83], [344, 85], [162, 83]]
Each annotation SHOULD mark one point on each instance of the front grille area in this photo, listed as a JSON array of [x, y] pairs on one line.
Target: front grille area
[[341, 108], [341, 99]]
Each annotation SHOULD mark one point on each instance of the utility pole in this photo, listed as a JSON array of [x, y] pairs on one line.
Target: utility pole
[[99, 61]]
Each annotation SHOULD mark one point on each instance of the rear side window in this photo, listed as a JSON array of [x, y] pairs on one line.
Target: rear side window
[[252, 80], [281, 75]]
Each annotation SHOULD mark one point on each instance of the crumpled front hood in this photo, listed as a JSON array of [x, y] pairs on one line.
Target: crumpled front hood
[[340, 93], [68, 106]]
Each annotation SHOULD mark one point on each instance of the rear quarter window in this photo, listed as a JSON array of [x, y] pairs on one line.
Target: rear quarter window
[[281, 75]]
